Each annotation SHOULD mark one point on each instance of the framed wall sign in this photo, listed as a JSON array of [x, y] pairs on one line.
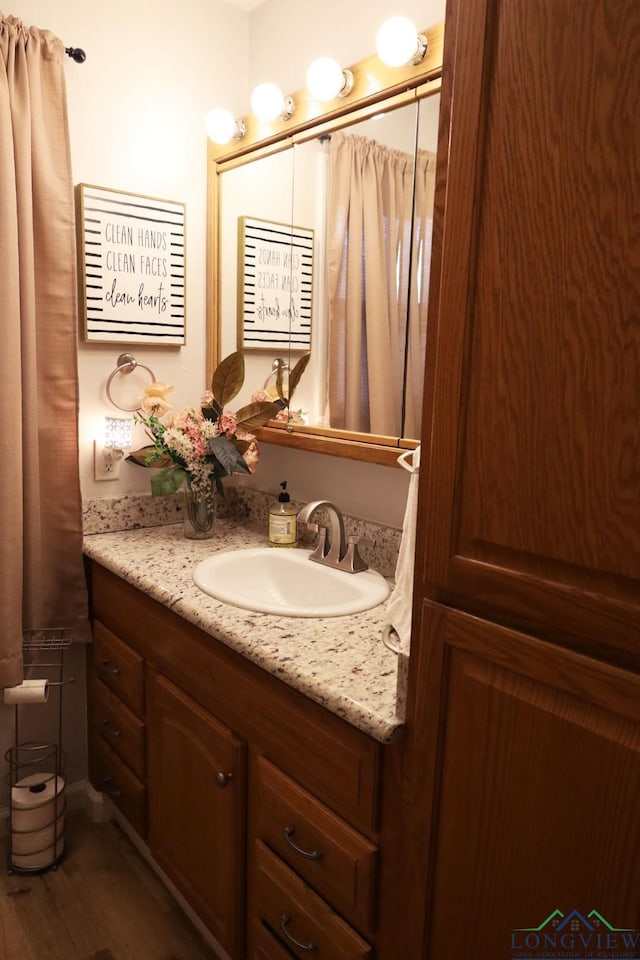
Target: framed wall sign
[[132, 267], [275, 285]]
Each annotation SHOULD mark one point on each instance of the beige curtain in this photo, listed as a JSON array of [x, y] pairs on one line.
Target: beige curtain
[[369, 234], [419, 296], [42, 583]]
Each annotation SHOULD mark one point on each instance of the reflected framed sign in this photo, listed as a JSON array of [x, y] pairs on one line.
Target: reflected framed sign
[[275, 285]]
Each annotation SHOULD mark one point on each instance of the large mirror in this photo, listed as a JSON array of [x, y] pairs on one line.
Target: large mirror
[[325, 229]]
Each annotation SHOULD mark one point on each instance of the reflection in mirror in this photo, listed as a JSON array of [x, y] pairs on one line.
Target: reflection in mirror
[[256, 267], [352, 192], [362, 180], [361, 394], [425, 174]]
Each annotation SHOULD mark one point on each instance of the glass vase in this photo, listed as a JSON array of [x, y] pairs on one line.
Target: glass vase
[[199, 512]]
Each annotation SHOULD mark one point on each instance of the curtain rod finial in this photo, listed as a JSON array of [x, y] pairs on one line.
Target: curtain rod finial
[[76, 53]]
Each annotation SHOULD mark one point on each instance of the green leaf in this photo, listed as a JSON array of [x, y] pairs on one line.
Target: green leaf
[[149, 457], [167, 481], [296, 373], [228, 378], [228, 456], [256, 414]]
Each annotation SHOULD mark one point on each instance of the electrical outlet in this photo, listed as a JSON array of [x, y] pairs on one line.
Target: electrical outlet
[[106, 462]]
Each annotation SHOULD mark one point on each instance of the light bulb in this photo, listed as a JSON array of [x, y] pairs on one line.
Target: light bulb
[[326, 80], [221, 125], [398, 42], [267, 102]]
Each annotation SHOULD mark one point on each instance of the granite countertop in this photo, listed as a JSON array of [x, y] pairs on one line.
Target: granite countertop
[[339, 662]]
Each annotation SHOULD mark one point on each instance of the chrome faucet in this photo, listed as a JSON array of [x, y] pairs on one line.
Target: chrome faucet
[[336, 553]]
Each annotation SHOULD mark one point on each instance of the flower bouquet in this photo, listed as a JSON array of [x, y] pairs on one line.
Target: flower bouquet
[[199, 446]]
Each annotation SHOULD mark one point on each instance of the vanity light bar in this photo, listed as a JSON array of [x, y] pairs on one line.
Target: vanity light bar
[[399, 45]]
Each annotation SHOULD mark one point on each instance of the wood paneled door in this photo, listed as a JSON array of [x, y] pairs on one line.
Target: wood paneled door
[[196, 808], [522, 769], [531, 483], [528, 799]]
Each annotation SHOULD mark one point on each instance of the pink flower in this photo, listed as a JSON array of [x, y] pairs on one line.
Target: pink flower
[[228, 423]]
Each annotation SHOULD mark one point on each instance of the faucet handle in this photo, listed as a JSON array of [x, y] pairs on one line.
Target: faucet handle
[[320, 551], [352, 562]]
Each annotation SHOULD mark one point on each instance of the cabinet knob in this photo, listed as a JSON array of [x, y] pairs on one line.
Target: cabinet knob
[[222, 779]]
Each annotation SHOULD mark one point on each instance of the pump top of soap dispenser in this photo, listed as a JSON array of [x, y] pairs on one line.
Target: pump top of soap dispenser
[[284, 496]]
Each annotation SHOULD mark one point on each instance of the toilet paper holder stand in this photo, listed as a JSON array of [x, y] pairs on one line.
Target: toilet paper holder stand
[[36, 819]]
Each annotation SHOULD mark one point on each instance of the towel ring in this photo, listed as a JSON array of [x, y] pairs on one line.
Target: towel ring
[[127, 363]]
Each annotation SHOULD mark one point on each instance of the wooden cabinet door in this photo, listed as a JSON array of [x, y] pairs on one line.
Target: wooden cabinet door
[[530, 483], [196, 788], [524, 781]]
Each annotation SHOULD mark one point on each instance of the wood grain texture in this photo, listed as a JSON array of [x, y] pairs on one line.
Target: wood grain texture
[[102, 903], [196, 824], [332, 759], [529, 492], [344, 870], [280, 893], [525, 773]]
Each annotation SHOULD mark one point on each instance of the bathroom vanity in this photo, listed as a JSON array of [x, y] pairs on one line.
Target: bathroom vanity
[[257, 756]]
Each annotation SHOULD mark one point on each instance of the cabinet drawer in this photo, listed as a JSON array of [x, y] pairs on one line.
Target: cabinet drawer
[[119, 667], [112, 776], [298, 916], [333, 858], [264, 945], [119, 726]]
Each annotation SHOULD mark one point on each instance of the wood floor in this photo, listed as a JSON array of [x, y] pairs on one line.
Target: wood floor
[[102, 903]]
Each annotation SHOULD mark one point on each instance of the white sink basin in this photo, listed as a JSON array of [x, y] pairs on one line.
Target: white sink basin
[[285, 582]]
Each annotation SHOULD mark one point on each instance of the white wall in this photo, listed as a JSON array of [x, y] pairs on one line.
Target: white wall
[[287, 35], [137, 110]]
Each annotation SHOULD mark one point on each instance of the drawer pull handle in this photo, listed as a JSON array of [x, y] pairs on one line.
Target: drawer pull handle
[[107, 669], [285, 920], [110, 791], [288, 833], [107, 729], [222, 779]]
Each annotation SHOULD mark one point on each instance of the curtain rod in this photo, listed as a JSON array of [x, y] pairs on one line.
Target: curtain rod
[[76, 53]]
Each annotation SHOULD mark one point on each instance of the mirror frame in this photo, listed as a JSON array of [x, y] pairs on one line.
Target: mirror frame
[[375, 85]]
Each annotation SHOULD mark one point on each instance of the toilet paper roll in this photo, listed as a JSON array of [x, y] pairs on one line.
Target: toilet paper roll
[[36, 841], [35, 801], [29, 691], [38, 861]]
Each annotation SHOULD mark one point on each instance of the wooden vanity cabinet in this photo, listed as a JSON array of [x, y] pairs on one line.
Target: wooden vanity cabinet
[[117, 728], [196, 807], [523, 711], [244, 778]]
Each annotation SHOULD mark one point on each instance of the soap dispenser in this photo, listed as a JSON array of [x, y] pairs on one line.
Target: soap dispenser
[[283, 521]]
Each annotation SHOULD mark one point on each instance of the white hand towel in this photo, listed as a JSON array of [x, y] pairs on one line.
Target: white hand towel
[[398, 610]]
